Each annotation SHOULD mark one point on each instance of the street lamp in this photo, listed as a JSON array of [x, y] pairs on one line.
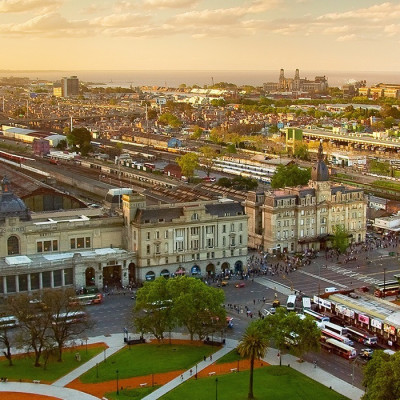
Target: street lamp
[[117, 382], [216, 388], [384, 282]]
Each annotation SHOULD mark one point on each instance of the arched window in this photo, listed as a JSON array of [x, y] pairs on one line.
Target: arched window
[[13, 245]]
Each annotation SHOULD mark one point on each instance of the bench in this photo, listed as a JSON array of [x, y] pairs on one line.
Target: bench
[[143, 384], [36, 381], [211, 373], [233, 369]]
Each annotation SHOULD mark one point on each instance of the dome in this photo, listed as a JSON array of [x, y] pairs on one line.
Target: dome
[[11, 205], [319, 171]]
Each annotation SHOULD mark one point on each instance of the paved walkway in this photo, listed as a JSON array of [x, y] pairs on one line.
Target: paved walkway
[[116, 341]]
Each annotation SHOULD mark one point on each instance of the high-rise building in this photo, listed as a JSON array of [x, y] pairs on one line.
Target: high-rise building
[[70, 86]]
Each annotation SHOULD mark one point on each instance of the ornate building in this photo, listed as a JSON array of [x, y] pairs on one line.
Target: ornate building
[[297, 218], [86, 247]]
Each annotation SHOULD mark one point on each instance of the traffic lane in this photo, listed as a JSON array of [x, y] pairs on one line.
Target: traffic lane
[[113, 315]]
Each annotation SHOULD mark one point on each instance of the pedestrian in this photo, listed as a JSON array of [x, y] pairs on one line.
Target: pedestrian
[[205, 358], [190, 372], [210, 357], [181, 377]]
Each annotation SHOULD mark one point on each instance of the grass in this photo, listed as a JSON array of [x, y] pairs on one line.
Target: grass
[[24, 369], [273, 382], [386, 184], [146, 359], [232, 356], [130, 394]]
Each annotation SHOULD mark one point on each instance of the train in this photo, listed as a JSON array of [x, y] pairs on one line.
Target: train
[[14, 157]]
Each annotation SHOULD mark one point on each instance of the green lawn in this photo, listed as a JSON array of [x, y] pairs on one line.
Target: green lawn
[[274, 382], [146, 359], [232, 356], [23, 365], [130, 394]]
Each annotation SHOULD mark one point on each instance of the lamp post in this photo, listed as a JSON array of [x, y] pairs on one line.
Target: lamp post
[[319, 286], [384, 282], [216, 388], [117, 382]]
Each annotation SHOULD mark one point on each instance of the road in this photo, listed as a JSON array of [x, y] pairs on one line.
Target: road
[[116, 312]]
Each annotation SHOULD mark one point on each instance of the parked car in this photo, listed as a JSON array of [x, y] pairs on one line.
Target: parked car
[[240, 285], [366, 353]]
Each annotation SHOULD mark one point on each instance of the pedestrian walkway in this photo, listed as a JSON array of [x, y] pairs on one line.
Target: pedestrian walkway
[[315, 373], [45, 390], [115, 342], [229, 345]]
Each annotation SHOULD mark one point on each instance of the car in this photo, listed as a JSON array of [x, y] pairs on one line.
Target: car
[[240, 285], [366, 353], [224, 283], [276, 303]]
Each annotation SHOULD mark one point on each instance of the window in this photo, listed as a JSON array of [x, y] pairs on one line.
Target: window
[[12, 245], [177, 259], [157, 235], [166, 260], [147, 235], [179, 245], [210, 242], [179, 233], [148, 249], [166, 235], [302, 212], [77, 243], [157, 248], [240, 226], [224, 241], [232, 227], [194, 230], [166, 247], [233, 243], [223, 228], [47, 246], [195, 217], [210, 229], [278, 224], [195, 244], [240, 239], [148, 262]]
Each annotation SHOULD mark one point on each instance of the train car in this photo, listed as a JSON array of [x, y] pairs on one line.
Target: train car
[[14, 157]]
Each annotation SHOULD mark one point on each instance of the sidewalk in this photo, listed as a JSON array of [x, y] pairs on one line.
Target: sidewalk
[[115, 342]]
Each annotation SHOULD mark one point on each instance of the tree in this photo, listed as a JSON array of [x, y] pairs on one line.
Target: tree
[[382, 377], [197, 132], [80, 138], [154, 301], [290, 175], [61, 311], [62, 145], [197, 306], [34, 323], [301, 152], [5, 339], [340, 240], [170, 119], [189, 162], [253, 345], [207, 158]]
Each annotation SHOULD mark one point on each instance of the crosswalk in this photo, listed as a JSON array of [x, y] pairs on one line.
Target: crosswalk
[[353, 275]]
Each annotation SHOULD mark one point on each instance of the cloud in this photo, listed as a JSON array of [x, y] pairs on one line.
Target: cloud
[[119, 20], [170, 3], [18, 6], [346, 38]]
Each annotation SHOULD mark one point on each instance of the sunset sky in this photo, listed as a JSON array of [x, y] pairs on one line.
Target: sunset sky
[[330, 35]]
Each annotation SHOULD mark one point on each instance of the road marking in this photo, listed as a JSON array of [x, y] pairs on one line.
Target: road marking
[[322, 279]]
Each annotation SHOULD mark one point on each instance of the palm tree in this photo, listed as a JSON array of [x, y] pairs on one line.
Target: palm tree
[[253, 345]]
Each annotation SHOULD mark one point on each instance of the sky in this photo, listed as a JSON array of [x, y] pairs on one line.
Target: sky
[[332, 35]]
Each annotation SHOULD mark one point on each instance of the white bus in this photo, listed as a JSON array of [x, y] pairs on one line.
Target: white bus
[[8, 322], [333, 335], [361, 336], [73, 317], [317, 316], [339, 348], [339, 330], [291, 303]]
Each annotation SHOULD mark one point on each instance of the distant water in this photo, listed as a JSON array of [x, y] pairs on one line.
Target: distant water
[[201, 78]]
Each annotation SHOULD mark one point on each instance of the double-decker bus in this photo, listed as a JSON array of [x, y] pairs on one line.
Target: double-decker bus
[[87, 299], [361, 336], [339, 348], [388, 288], [317, 316], [291, 303]]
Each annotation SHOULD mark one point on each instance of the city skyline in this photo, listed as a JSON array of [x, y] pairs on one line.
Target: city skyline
[[200, 35]]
